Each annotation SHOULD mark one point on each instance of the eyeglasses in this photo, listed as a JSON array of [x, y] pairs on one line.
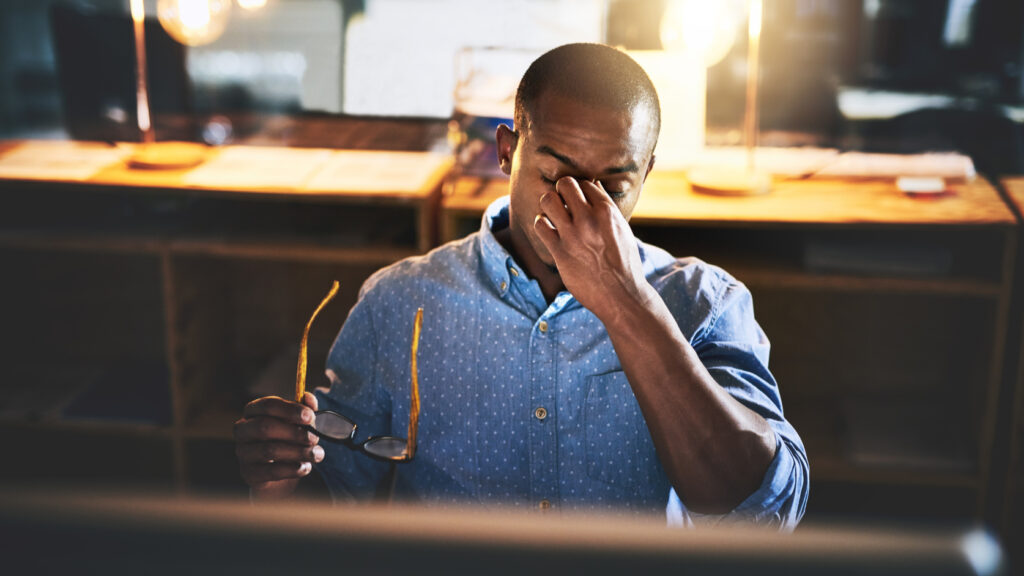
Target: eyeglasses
[[339, 428]]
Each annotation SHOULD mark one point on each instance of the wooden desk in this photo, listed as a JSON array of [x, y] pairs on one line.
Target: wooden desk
[[887, 315], [141, 312]]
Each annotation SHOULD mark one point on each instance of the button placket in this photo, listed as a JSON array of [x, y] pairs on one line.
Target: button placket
[[542, 436]]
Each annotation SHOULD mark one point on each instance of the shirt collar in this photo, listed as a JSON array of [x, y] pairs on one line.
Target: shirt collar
[[496, 261]]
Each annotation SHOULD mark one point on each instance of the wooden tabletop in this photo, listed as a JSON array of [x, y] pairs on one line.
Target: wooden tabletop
[[1015, 187], [667, 197], [120, 174]]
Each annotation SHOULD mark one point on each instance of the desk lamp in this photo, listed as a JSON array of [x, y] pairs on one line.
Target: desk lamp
[[708, 29], [193, 23]]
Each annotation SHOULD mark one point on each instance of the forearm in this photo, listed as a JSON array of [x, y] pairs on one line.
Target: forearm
[[714, 450]]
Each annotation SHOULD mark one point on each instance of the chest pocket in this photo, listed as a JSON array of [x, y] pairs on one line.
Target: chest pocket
[[619, 449]]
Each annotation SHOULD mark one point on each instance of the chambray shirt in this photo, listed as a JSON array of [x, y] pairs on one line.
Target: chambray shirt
[[524, 403]]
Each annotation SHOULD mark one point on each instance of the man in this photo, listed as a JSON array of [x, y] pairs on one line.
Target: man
[[563, 363]]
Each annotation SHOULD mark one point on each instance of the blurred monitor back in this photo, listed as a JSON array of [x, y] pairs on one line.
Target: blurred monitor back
[[95, 54], [54, 532]]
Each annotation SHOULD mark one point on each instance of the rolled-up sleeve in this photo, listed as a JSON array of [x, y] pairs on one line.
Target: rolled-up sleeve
[[735, 351]]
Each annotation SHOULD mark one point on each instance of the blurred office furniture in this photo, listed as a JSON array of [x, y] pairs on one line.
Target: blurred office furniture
[[1012, 512], [888, 316], [117, 534], [143, 309], [97, 74]]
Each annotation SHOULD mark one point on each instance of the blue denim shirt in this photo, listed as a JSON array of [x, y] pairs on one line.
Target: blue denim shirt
[[493, 353]]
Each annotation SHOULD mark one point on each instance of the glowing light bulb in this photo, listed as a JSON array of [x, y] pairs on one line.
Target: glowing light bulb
[[194, 22], [701, 28], [252, 4]]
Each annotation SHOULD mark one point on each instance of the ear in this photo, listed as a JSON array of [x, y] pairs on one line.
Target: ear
[[506, 138], [650, 166]]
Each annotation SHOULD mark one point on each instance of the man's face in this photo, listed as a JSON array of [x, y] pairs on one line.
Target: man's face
[[566, 138]]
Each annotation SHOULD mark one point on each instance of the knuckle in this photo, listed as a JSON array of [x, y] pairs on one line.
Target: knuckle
[[264, 427], [268, 452]]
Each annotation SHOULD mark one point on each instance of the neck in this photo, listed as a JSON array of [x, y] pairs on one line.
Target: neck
[[522, 252]]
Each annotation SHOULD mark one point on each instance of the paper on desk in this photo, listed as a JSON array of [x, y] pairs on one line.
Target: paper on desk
[[58, 160], [785, 162], [869, 165], [379, 171], [258, 167]]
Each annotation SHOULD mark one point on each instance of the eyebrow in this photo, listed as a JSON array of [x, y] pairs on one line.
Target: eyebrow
[[631, 167]]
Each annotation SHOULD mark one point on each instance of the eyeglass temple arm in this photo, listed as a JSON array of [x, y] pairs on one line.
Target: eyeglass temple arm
[[414, 402], [300, 372]]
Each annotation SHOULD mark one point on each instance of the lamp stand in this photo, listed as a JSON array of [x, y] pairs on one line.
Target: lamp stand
[[750, 181], [152, 154]]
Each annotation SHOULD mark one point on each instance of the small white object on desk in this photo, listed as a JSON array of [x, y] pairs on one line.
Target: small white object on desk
[[921, 185]]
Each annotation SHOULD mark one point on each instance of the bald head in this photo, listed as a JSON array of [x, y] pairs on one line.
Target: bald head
[[592, 74]]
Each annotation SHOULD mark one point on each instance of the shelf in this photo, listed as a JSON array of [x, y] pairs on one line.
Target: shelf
[[215, 424], [834, 470], [291, 251], [87, 425], [798, 280]]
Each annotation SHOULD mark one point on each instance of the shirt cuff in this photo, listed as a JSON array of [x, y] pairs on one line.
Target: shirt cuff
[[777, 501]]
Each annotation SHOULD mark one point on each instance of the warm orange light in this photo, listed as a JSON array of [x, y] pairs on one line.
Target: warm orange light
[[138, 10], [704, 29], [194, 22], [252, 4], [756, 12]]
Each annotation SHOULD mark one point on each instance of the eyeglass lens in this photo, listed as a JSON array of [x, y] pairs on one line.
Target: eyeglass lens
[[337, 427], [387, 447], [334, 425]]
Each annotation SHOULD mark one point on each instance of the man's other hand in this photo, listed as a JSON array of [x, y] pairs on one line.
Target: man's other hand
[[274, 447]]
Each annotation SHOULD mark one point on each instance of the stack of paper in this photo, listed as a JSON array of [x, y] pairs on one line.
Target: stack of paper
[[258, 167], [867, 165], [377, 171], [58, 160]]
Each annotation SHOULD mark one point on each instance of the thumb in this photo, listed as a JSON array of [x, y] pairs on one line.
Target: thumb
[[310, 400]]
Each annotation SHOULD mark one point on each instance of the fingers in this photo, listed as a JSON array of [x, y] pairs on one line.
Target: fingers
[[272, 442], [552, 207], [282, 409], [269, 429], [594, 193], [573, 197], [545, 231], [275, 452]]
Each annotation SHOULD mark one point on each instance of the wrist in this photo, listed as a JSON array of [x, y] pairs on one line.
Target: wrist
[[628, 306]]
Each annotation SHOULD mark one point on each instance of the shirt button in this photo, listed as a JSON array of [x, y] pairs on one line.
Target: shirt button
[[543, 326], [504, 286], [544, 504], [513, 272], [541, 413]]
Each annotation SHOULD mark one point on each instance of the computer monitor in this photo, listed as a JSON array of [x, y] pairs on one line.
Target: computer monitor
[[95, 54], [56, 532]]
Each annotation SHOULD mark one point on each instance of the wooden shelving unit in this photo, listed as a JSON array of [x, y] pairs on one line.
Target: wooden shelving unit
[[142, 313], [887, 315]]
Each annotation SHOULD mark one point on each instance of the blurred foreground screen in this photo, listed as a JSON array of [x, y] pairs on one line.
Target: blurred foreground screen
[[109, 534]]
